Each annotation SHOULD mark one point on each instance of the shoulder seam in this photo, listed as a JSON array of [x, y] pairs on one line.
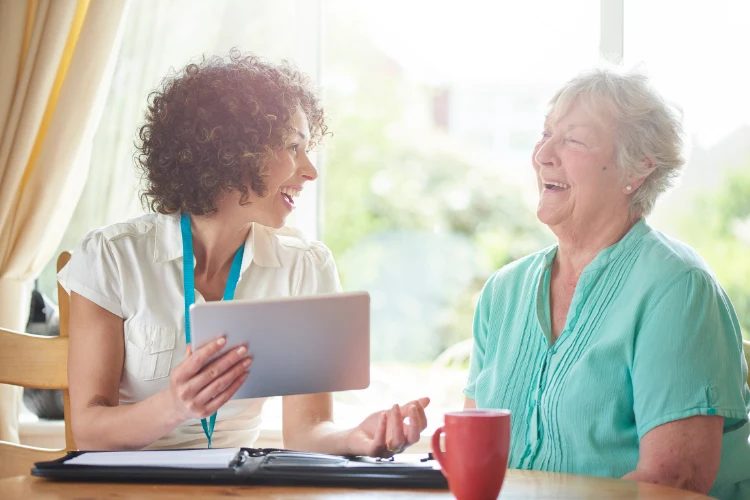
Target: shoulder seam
[[123, 229], [669, 286], [125, 233], [289, 245]]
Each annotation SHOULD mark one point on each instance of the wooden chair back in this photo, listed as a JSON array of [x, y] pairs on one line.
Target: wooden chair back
[[39, 362]]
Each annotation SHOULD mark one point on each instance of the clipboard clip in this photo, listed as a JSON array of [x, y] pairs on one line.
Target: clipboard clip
[[393, 458]]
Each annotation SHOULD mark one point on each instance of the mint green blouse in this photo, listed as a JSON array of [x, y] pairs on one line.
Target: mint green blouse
[[651, 337]]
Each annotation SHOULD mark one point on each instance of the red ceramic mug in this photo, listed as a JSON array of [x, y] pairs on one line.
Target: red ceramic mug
[[476, 452]]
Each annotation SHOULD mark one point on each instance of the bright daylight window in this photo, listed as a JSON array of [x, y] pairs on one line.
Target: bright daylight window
[[426, 186], [695, 56], [427, 183]]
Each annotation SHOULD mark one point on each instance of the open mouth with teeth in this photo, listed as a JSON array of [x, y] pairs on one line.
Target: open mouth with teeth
[[289, 194], [556, 186]]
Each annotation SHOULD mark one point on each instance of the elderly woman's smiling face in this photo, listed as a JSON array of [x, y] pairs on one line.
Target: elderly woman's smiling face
[[578, 181]]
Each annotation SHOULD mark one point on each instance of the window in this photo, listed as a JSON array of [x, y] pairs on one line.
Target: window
[[165, 34], [692, 54], [426, 186]]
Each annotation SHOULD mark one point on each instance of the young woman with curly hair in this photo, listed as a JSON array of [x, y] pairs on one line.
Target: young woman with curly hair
[[223, 153]]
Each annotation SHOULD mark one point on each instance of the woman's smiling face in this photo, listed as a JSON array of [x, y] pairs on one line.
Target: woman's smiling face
[[288, 172], [577, 177]]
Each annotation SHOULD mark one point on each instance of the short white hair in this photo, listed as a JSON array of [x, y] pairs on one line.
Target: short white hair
[[646, 127]]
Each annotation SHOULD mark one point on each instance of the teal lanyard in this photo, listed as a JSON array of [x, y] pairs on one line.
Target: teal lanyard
[[189, 287]]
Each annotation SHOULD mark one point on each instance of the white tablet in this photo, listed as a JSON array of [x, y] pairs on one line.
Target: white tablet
[[299, 345]]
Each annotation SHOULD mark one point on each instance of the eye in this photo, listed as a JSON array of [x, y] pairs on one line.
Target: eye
[[293, 148], [546, 134], [574, 141]]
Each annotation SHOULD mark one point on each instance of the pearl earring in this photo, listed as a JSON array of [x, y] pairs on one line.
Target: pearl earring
[[629, 187]]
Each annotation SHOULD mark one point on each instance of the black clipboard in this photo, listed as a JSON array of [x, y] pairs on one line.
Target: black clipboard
[[265, 466]]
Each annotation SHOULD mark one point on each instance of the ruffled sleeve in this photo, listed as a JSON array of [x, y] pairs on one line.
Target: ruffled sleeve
[[318, 273]]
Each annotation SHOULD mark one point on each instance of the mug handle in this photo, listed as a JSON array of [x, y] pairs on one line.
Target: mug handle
[[437, 452]]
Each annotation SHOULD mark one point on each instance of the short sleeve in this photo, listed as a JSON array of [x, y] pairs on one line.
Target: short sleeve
[[93, 273], [318, 273], [688, 357], [479, 334]]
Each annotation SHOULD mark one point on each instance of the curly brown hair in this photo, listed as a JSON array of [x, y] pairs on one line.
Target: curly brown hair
[[213, 127]]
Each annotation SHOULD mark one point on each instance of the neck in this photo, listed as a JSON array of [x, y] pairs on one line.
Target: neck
[[578, 247], [216, 239]]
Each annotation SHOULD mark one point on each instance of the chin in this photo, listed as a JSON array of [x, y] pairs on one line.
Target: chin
[[542, 215], [543, 220], [548, 217], [277, 222]]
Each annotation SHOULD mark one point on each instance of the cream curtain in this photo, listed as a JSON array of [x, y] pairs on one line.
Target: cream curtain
[[56, 62]]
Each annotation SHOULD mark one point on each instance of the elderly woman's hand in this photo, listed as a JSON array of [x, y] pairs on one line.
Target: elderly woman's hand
[[385, 433]]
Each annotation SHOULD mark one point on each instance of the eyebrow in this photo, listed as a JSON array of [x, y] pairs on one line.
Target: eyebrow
[[301, 134], [570, 127]]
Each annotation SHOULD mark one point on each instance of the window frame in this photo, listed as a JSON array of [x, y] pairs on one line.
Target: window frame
[[611, 31]]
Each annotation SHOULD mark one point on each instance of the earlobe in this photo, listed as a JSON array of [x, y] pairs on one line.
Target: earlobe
[[634, 184]]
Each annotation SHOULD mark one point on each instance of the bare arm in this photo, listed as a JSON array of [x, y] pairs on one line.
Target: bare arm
[[308, 425], [469, 404], [95, 362], [683, 454]]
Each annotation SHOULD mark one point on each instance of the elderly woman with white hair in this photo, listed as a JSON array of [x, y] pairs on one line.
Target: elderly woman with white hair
[[617, 351]]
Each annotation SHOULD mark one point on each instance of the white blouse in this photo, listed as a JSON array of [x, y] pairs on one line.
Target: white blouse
[[134, 270]]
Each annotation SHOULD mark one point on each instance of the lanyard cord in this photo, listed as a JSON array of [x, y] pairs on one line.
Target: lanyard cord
[[188, 275]]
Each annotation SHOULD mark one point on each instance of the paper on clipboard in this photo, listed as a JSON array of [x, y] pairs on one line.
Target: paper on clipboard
[[218, 458]]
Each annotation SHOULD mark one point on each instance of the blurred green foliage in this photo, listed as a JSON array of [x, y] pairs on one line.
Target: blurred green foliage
[[389, 171], [717, 225]]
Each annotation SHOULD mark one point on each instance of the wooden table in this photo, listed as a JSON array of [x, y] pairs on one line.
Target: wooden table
[[518, 485]]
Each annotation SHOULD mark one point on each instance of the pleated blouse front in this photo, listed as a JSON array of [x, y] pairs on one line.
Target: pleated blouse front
[[650, 337]]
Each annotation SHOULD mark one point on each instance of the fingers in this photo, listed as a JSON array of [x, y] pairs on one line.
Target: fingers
[[396, 439], [224, 396], [196, 387], [376, 447], [391, 435], [196, 359], [218, 368], [378, 440], [417, 423], [417, 420], [218, 384], [421, 402], [417, 416]]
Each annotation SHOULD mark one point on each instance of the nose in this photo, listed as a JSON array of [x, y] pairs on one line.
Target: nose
[[307, 169], [545, 154]]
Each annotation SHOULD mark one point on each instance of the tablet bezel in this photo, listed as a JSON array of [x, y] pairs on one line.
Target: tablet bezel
[[303, 345]]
